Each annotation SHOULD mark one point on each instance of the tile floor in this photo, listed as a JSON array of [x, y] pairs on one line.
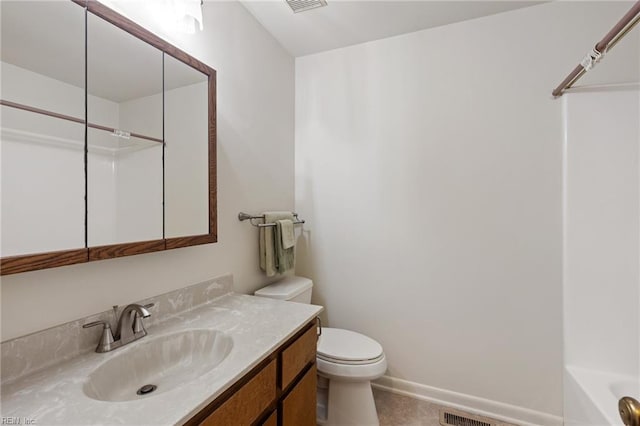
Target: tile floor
[[399, 410]]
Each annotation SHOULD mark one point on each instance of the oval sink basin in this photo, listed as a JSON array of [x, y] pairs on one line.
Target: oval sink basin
[[164, 362]]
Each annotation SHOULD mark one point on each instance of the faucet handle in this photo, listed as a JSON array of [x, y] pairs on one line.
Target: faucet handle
[[106, 342], [138, 326]]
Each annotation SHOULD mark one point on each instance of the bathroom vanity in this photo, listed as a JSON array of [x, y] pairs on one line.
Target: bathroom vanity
[[283, 385], [216, 357]]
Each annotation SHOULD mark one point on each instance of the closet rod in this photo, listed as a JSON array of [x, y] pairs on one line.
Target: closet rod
[[116, 132], [40, 111], [628, 21]]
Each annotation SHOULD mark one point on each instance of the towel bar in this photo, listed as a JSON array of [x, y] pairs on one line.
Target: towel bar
[[245, 216]]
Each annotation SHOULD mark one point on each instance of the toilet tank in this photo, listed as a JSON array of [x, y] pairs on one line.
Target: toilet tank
[[291, 288]]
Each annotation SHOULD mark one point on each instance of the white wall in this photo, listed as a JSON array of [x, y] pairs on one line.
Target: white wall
[[185, 165], [255, 83], [43, 166], [139, 195], [102, 196], [601, 248], [428, 167], [40, 91], [102, 179], [42, 183]]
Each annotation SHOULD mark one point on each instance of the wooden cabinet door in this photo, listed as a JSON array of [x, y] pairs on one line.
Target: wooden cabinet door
[[296, 357], [244, 407], [299, 407]]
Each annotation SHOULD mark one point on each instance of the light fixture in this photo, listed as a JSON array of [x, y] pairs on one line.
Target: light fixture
[[187, 14]]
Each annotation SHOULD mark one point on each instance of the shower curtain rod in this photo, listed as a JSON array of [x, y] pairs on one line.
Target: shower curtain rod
[[626, 24]]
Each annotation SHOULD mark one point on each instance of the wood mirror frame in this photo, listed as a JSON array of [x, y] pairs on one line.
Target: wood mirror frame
[[32, 262]]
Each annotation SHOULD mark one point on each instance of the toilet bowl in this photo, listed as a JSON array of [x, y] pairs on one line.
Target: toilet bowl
[[347, 362]]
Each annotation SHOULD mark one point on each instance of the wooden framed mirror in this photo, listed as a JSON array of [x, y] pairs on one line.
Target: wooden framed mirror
[[108, 138]]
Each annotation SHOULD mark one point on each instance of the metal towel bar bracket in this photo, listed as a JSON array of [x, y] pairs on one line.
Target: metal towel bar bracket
[[245, 216]]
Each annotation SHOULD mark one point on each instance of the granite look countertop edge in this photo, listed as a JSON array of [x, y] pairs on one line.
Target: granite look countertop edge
[[257, 326]]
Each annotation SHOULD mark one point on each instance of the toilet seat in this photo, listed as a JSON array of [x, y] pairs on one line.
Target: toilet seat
[[347, 355], [352, 372], [347, 362], [348, 347]]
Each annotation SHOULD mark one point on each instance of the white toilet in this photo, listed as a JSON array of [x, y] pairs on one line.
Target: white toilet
[[347, 362]]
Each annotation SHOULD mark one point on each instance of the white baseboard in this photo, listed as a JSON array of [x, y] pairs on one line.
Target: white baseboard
[[484, 407]]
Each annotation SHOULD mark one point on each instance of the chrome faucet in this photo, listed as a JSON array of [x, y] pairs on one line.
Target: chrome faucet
[[130, 328], [130, 325]]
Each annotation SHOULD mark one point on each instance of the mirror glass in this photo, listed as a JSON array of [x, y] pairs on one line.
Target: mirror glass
[[103, 150], [42, 183], [42, 52], [42, 132], [124, 137], [186, 151]]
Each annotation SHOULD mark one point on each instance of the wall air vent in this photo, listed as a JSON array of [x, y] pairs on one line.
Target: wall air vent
[[451, 417], [302, 5]]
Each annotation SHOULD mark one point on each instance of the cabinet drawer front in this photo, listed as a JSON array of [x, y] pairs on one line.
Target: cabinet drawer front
[[299, 407], [244, 407], [297, 356]]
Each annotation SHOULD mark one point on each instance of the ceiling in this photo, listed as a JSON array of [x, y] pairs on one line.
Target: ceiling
[[47, 37], [347, 22]]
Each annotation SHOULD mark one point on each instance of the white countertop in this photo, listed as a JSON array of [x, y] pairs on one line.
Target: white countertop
[[257, 326]]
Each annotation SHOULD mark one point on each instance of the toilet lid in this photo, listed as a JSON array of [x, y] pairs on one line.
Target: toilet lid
[[347, 345]]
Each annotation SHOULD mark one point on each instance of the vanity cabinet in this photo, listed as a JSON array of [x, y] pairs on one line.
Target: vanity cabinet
[[281, 390]]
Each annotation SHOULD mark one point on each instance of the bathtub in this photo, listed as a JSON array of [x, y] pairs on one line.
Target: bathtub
[[591, 396]]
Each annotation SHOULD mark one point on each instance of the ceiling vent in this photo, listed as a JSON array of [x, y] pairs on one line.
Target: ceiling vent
[[302, 5]]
